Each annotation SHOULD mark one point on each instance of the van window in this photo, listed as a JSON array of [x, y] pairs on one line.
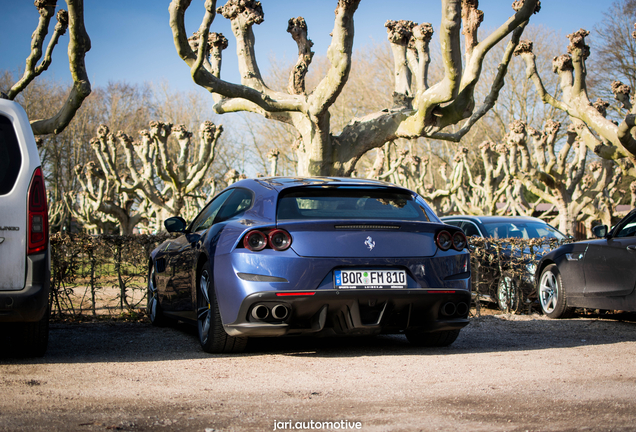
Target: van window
[[10, 156]]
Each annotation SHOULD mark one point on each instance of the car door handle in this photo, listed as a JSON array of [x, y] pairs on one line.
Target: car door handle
[[631, 247]]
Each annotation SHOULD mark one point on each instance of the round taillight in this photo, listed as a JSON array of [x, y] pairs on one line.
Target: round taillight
[[444, 240], [279, 240], [255, 241], [459, 241]]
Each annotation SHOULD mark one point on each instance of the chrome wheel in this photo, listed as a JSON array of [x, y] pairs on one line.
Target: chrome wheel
[[212, 335], [153, 308], [204, 307], [548, 289], [551, 293], [152, 295], [507, 294]]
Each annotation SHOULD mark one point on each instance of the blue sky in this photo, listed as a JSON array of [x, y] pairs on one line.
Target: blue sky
[[132, 41]]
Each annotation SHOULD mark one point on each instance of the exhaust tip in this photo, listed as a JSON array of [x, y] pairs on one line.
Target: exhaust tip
[[260, 312], [449, 309], [280, 312], [462, 309]]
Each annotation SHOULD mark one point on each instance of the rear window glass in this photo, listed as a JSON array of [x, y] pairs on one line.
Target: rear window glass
[[525, 230], [348, 203], [10, 156]]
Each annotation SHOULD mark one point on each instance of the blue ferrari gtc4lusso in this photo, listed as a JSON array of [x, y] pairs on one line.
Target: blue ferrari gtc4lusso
[[323, 256]]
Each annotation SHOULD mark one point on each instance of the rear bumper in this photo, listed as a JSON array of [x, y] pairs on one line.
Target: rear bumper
[[30, 303], [354, 312]]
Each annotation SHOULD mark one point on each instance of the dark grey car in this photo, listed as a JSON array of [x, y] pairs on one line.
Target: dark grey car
[[501, 285], [595, 274]]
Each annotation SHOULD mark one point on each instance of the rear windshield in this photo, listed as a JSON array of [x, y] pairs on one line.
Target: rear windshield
[[10, 157], [525, 230], [349, 203]]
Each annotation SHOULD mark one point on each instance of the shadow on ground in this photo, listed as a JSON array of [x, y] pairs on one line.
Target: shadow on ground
[[140, 342]]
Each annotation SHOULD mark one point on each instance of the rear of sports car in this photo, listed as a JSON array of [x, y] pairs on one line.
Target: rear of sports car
[[348, 260]]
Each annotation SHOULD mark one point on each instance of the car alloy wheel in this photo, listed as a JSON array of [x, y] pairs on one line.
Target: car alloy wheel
[[212, 335], [507, 294], [551, 294], [547, 291], [203, 308], [153, 308]]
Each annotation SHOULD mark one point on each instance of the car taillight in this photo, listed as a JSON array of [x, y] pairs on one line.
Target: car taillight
[[279, 240], [276, 239], [38, 217], [444, 240], [255, 241], [459, 241]]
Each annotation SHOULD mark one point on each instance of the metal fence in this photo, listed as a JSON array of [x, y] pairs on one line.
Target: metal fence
[[103, 275], [106, 275]]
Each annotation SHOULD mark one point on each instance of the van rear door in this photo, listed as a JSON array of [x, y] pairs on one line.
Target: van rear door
[[18, 160]]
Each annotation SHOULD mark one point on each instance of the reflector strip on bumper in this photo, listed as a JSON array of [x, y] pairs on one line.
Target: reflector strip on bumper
[[295, 294]]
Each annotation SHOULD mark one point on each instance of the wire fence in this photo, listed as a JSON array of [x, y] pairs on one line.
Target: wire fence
[[503, 271], [103, 275], [98, 276]]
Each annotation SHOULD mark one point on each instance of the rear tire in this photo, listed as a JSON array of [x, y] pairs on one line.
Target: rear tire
[[435, 339], [508, 294], [153, 308], [32, 338], [212, 335], [551, 294]]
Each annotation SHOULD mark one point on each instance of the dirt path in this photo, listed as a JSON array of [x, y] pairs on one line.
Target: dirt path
[[526, 373]]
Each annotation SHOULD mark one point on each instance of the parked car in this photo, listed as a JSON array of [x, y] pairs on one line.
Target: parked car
[[509, 291], [596, 274], [24, 234], [312, 256]]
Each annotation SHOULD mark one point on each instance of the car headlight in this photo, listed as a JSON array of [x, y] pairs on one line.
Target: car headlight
[[531, 268]]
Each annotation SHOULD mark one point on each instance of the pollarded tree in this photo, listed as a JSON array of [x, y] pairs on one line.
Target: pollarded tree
[[489, 188], [419, 110], [101, 201], [558, 177], [147, 181], [79, 44], [615, 50], [603, 136], [152, 172], [449, 192]]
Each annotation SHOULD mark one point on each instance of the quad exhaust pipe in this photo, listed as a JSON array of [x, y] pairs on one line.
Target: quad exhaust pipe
[[280, 312], [450, 309], [462, 308], [262, 312]]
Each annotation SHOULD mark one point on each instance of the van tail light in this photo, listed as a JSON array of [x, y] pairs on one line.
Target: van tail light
[[276, 239], [38, 216]]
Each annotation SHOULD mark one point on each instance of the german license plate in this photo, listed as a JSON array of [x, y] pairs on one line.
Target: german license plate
[[369, 279]]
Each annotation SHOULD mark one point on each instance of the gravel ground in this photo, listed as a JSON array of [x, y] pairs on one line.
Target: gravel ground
[[504, 373]]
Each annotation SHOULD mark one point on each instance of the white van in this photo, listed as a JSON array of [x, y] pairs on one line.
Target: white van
[[24, 236]]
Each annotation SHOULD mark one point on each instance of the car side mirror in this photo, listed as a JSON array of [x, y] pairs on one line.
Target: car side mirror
[[175, 224], [600, 231]]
